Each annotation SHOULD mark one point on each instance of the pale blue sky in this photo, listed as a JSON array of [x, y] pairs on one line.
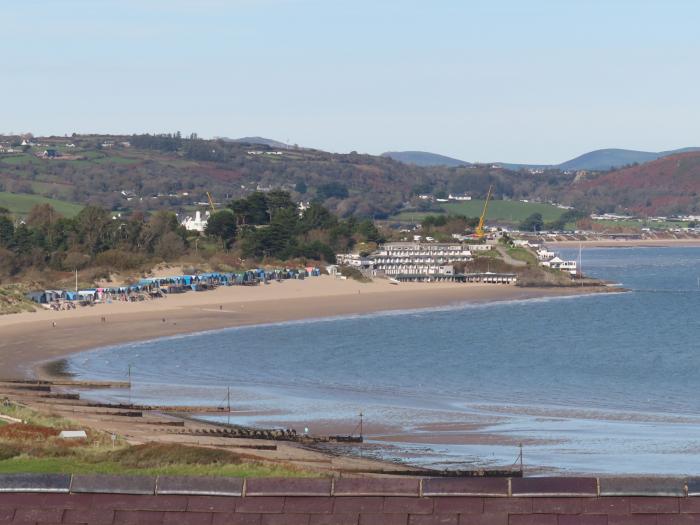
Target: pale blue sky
[[507, 80]]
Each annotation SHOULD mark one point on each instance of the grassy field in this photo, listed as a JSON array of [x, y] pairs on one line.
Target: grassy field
[[36, 448], [522, 254], [20, 204], [512, 212], [114, 159], [412, 216], [505, 211], [102, 464], [18, 160]]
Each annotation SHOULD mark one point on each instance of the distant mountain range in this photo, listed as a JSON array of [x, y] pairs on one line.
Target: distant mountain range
[[599, 160], [424, 158]]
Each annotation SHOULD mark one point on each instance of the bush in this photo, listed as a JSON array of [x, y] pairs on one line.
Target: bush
[[169, 247], [119, 260], [75, 260], [353, 273], [153, 455], [9, 451]]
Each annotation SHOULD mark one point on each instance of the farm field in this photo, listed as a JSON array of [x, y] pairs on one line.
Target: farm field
[[511, 212], [20, 204], [506, 211]]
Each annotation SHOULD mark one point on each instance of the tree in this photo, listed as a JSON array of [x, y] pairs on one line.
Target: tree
[[43, 217], [300, 187], [330, 190], [533, 223], [251, 210], [7, 231], [369, 231], [279, 200], [222, 225], [160, 224], [170, 246], [316, 216], [93, 224]]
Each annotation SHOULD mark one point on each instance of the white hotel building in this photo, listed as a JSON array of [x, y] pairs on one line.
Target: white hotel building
[[411, 259]]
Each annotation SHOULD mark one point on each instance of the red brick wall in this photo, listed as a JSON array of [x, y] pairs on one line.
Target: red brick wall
[[352, 501]]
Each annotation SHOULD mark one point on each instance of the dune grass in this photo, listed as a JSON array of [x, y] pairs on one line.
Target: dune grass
[[100, 464], [34, 447]]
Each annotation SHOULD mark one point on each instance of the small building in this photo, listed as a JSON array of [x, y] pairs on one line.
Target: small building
[[559, 264], [459, 197], [354, 260], [50, 154], [196, 223]]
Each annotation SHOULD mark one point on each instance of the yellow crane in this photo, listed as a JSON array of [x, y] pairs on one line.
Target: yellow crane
[[480, 228], [211, 202]]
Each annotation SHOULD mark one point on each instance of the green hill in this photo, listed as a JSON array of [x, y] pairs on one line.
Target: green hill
[[20, 204], [424, 158]]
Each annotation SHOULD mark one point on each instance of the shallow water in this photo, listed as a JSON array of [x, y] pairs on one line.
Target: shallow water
[[601, 383]]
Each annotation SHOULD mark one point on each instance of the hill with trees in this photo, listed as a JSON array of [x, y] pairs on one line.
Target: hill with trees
[[666, 186], [258, 229], [147, 173]]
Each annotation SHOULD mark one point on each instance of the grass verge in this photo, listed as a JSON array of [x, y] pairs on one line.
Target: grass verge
[[34, 447]]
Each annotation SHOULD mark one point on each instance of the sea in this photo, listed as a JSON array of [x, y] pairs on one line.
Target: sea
[[600, 383]]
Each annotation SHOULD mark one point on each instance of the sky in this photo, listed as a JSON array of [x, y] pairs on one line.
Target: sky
[[537, 81]]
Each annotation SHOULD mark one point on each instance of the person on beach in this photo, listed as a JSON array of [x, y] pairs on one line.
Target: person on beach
[[54, 324]]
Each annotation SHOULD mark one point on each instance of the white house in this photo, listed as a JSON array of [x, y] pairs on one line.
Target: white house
[[196, 223], [353, 259], [462, 197], [559, 264], [543, 254]]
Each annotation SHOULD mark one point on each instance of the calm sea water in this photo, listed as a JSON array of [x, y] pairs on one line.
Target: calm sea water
[[601, 383]]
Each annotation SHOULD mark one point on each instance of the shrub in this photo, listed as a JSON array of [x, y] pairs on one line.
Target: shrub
[[119, 260]]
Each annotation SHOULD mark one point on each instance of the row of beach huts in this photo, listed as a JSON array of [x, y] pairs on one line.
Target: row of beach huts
[[157, 287]]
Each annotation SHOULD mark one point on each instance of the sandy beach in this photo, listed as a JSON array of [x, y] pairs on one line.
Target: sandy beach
[[31, 338]]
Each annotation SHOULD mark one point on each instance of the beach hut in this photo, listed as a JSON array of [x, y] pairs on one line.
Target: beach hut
[[37, 297]]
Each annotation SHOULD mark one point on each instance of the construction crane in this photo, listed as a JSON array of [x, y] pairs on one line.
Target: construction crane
[[211, 202], [480, 228]]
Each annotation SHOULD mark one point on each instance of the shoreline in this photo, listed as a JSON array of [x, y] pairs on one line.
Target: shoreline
[[628, 243], [30, 344], [30, 341]]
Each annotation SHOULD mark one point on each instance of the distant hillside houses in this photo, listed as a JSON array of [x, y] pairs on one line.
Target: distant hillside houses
[[613, 217], [459, 198]]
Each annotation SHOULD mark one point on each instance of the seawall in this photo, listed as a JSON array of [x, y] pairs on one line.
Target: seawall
[[95, 499]]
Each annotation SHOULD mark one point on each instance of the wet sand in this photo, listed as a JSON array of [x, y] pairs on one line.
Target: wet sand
[[28, 339]]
